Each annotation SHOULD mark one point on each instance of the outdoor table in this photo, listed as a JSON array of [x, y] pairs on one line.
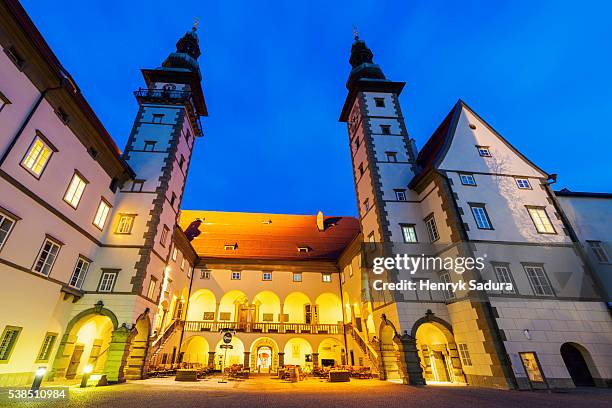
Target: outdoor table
[[186, 375], [339, 376]]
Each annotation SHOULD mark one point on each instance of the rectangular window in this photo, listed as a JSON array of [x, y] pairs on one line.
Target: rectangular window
[[230, 247], [149, 145], [297, 276], [37, 157], [379, 102], [466, 360], [151, 290], [350, 269], [157, 118], [172, 200], [432, 229], [391, 157], [107, 282], [361, 171], [46, 257], [101, 214], [6, 226], [267, 276], [326, 277], [183, 264], [484, 151], [445, 278], [503, 274], [539, 281], [174, 254], [204, 274], [75, 190], [357, 143], [540, 220], [467, 179], [164, 235], [400, 195], [126, 222], [409, 233], [596, 247], [8, 341], [236, 275], [3, 101], [385, 129], [523, 184], [79, 273], [45, 349], [481, 217], [181, 161], [366, 204]]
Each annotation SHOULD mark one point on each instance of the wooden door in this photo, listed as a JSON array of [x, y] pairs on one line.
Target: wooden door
[[74, 361]]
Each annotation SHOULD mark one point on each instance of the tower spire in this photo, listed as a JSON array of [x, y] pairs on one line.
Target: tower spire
[[362, 62], [187, 52]]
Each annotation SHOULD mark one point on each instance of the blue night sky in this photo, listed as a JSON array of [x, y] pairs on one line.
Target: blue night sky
[[274, 76]]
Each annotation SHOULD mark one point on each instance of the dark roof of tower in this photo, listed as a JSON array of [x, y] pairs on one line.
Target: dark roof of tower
[[363, 65], [186, 54]]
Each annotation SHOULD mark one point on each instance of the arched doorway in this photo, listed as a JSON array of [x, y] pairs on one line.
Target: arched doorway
[[195, 351], [438, 352], [264, 355], [330, 352], [298, 351], [234, 355], [234, 307], [574, 359], [389, 352]]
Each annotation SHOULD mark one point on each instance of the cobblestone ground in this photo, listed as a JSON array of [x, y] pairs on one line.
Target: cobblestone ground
[[264, 392]]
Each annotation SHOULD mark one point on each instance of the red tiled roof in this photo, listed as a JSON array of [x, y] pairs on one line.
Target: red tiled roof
[[269, 236]]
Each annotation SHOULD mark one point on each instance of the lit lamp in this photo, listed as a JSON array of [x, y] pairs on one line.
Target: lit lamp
[[86, 373], [38, 377]]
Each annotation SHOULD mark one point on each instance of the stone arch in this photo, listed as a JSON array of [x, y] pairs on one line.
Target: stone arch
[[202, 302], [297, 350], [267, 303], [139, 347], [330, 349], [107, 345], [579, 364], [231, 302], [196, 351], [293, 307], [437, 350], [261, 363], [234, 355], [330, 308]]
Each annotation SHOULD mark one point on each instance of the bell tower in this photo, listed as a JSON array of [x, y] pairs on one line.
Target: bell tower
[[382, 152]]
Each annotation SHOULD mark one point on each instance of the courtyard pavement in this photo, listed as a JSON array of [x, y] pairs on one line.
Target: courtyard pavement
[[266, 392]]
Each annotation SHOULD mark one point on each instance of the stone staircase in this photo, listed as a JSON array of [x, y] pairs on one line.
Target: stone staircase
[[158, 344], [367, 349]]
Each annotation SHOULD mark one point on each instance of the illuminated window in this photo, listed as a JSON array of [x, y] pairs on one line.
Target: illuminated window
[[79, 273], [540, 220], [101, 214], [107, 282], [297, 276], [45, 349], [174, 254], [151, 290], [326, 277], [409, 233], [75, 190], [8, 341], [465, 354], [126, 222], [183, 264], [230, 247], [46, 257], [37, 157]]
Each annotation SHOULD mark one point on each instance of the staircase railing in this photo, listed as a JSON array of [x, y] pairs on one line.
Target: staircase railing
[[363, 345]]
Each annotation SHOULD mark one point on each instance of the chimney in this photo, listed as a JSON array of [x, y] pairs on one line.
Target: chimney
[[320, 221]]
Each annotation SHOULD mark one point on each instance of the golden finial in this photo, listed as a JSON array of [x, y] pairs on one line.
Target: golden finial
[[355, 32]]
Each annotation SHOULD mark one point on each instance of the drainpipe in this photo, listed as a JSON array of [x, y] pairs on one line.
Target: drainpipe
[[27, 120]]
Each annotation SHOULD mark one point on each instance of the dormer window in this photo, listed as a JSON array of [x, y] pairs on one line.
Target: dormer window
[[484, 151], [303, 249], [230, 247]]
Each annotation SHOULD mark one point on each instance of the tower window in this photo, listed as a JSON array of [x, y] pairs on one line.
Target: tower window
[[379, 102], [409, 233], [467, 179], [361, 169], [173, 199], [357, 143], [432, 229], [181, 161], [366, 204], [385, 129], [126, 222], [484, 151], [400, 195], [149, 145], [157, 118], [391, 157]]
